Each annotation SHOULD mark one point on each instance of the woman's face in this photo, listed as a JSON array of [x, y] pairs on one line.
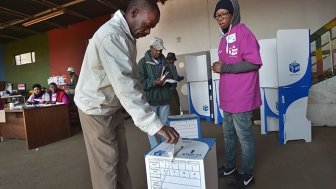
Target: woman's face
[[36, 90], [223, 18], [52, 88]]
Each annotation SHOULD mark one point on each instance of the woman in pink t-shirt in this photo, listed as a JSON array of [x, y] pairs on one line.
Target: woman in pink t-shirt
[[57, 94], [239, 93]]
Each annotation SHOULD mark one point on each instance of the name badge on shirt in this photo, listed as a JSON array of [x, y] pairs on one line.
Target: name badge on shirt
[[231, 38]]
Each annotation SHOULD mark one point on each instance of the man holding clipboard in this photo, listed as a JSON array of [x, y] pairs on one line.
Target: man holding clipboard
[[153, 74]]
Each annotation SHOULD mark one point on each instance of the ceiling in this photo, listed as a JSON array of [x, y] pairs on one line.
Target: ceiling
[[13, 13]]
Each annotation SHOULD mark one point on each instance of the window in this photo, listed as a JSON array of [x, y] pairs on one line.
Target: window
[[25, 58]]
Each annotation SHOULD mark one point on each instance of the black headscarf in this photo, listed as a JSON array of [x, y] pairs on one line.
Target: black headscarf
[[224, 4]]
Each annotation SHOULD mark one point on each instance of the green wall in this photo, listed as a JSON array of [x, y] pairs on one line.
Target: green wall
[[37, 72]]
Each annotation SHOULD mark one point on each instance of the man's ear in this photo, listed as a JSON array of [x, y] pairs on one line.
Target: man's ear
[[134, 12]]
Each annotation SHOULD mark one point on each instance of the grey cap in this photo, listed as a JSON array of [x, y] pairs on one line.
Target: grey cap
[[157, 43]]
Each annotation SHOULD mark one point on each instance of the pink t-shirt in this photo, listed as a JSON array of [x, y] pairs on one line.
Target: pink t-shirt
[[54, 97], [239, 92]]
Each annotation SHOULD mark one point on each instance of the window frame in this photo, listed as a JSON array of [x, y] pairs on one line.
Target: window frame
[[25, 58]]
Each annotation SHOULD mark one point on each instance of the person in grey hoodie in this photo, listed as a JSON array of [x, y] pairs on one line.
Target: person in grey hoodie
[[239, 89]]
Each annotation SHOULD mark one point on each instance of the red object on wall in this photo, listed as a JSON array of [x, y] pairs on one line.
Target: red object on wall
[[67, 46]]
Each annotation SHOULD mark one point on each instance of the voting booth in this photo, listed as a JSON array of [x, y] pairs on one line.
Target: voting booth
[[268, 75], [285, 79], [194, 166], [217, 112], [198, 73]]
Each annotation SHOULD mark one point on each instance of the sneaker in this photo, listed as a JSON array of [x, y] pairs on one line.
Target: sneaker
[[227, 171], [245, 180]]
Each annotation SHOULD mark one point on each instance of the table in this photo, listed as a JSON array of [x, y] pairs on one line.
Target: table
[[17, 99], [37, 125]]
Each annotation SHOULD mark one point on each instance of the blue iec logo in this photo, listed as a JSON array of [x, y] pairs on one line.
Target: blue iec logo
[[159, 153], [206, 108], [294, 67]]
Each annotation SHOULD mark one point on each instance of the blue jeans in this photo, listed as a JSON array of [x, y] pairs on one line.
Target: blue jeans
[[240, 125], [162, 112]]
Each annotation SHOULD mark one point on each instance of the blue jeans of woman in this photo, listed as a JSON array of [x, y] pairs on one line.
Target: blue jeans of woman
[[239, 124], [162, 112]]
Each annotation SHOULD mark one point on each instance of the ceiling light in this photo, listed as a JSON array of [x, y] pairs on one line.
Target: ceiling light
[[43, 17]]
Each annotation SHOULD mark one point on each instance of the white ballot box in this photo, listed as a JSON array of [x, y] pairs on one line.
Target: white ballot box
[[193, 166], [188, 126]]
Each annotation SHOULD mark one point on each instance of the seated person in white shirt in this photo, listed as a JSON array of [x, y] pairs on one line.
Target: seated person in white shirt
[[39, 96]]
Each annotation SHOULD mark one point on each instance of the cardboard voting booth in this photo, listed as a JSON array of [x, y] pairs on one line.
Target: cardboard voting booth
[[188, 126], [198, 74], [192, 166], [217, 112], [268, 75], [285, 79]]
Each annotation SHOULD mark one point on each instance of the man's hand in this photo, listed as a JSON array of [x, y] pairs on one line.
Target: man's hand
[[180, 78], [169, 133], [159, 81], [216, 67]]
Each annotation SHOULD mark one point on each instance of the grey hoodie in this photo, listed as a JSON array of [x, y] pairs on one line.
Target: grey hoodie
[[236, 13], [235, 17]]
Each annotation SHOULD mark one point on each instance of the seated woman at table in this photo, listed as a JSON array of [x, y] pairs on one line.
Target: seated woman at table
[[39, 96], [57, 94]]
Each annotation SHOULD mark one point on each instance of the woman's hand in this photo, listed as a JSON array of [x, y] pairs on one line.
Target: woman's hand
[[216, 67]]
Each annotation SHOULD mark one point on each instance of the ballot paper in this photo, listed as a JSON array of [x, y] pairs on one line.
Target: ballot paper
[[170, 81], [176, 148], [164, 75], [38, 100]]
